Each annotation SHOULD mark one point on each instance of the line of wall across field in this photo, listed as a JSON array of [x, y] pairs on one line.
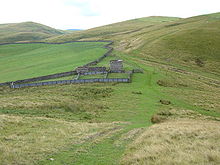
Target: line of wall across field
[[47, 77], [62, 74], [56, 43], [93, 73], [105, 80], [95, 62]]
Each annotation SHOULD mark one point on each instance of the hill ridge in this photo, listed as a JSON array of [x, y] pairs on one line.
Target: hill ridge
[[26, 31], [190, 42]]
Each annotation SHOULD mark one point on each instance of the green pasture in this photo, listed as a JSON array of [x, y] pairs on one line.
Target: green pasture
[[21, 61]]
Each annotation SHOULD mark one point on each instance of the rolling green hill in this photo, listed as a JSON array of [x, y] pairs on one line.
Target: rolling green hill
[[192, 42], [114, 31], [189, 42], [26, 31]]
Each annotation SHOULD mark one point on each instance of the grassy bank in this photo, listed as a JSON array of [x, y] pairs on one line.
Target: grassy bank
[[179, 142]]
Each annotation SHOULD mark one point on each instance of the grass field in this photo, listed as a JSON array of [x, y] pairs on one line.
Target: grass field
[[20, 61]]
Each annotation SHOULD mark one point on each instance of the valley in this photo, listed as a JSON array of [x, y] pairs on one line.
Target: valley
[[168, 113]]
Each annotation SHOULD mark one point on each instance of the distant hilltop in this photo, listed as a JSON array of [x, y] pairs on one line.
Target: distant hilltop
[[27, 31], [74, 29]]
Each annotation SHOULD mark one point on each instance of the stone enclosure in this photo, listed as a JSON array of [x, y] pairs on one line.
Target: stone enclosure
[[85, 69], [115, 66]]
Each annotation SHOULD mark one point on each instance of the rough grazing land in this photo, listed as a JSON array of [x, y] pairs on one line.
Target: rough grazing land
[[34, 136], [179, 142], [187, 127]]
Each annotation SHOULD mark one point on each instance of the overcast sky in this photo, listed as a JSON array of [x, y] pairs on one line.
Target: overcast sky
[[84, 14]]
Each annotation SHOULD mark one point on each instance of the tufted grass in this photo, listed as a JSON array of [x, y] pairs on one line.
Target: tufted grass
[[26, 140], [179, 142]]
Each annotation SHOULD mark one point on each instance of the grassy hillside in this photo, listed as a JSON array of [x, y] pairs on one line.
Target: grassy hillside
[[168, 114], [20, 61], [191, 42], [26, 31], [114, 31]]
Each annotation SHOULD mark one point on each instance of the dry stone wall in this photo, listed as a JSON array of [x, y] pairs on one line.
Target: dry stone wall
[[47, 77], [103, 80]]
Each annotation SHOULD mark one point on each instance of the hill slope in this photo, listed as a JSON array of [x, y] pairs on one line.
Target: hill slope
[[114, 31], [26, 31], [191, 42]]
